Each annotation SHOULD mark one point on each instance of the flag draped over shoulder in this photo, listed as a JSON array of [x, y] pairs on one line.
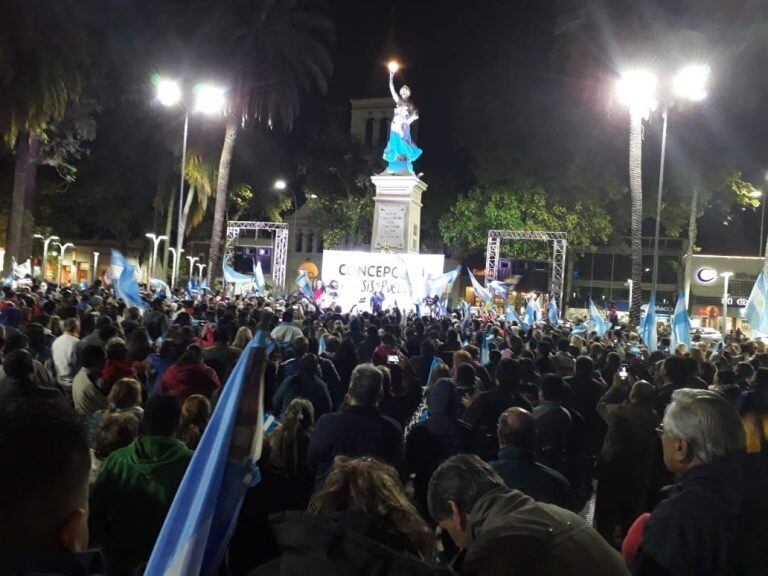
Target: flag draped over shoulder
[[125, 283], [648, 325], [756, 310], [305, 286], [444, 283], [681, 323], [202, 516], [597, 320], [479, 291]]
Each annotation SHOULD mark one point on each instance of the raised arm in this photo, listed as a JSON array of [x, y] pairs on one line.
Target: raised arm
[[392, 90]]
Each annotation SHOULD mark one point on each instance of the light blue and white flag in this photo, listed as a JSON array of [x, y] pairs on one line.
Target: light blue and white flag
[[259, 285], [479, 291], [499, 288], [467, 318], [530, 315], [444, 283], [305, 286], [681, 324], [321, 346], [648, 325], [756, 310], [597, 320], [203, 514], [270, 423], [232, 277], [552, 312], [161, 288], [511, 315], [125, 283], [485, 354]]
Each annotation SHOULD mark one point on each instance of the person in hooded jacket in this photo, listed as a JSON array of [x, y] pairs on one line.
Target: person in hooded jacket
[[359, 522], [435, 439], [135, 488]]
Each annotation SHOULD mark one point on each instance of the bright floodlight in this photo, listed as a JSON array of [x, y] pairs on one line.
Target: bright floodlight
[[209, 99], [691, 82], [168, 92], [280, 185], [756, 194], [637, 89], [393, 66]]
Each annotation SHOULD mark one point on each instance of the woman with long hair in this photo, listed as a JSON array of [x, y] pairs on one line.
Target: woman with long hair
[[360, 516], [242, 338], [195, 413]]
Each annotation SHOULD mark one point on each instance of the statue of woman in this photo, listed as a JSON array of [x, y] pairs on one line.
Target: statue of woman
[[401, 151]]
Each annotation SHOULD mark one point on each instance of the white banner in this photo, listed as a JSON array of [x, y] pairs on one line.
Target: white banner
[[353, 277]]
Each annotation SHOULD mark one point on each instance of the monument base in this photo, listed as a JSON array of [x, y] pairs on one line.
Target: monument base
[[397, 213]]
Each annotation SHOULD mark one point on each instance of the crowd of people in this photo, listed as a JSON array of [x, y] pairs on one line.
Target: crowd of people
[[404, 444]]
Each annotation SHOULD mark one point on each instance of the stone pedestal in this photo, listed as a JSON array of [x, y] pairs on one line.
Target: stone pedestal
[[397, 213]]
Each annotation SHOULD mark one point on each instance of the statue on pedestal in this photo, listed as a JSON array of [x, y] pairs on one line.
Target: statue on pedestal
[[401, 152]]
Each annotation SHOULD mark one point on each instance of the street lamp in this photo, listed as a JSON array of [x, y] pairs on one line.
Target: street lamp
[[192, 260], [156, 242], [62, 249], [759, 194], [175, 264], [208, 99], [282, 185], [200, 268], [726, 276], [688, 84], [46, 241], [95, 271]]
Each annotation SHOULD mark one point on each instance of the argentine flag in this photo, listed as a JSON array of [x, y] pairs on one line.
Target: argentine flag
[[485, 354], [511, 315], [479, 291], [597, 320], [498, 288], [756, 310], [125, 283], [443, 283], [648, 325], [554, 317], [305, 287], [258, 277], [681, 324], [199, 524]]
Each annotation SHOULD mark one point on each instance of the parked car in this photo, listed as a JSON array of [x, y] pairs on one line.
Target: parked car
[[706, 335]]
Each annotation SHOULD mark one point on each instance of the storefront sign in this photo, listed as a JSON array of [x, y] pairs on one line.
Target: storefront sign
[[706, 275]]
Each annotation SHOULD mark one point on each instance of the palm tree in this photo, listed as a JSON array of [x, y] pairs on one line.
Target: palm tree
[[636, 195], [275, 50], [42, 54]]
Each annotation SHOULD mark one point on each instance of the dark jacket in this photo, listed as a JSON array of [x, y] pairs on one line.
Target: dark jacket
[[553, 430], [482, 416], [356, 431], [586, 392], [435, 439], [509, 533], [58, 563], [222, 358], [520, 471], [343, 544], [302, 386], [715, 523]]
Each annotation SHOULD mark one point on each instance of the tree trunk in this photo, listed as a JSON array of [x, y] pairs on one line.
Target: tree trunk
[[168, 225], [30, 196], [220, 209], [185, 214], [692, 233], [16, 214], [636, 193]]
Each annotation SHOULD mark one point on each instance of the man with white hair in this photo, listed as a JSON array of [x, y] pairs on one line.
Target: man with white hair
[[715, 521]]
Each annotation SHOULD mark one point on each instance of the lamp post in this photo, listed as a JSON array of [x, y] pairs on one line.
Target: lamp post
[[726, 276], [759, 194], [200, 268], [95, 271], [175, 264], [689, 84], [208, 100], [156, 242], [192, 260], [281, 185], [62, 249], [629, 283], [46, 241]]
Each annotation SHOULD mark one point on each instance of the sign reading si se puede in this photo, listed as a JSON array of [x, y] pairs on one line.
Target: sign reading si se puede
[[358, 275]]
